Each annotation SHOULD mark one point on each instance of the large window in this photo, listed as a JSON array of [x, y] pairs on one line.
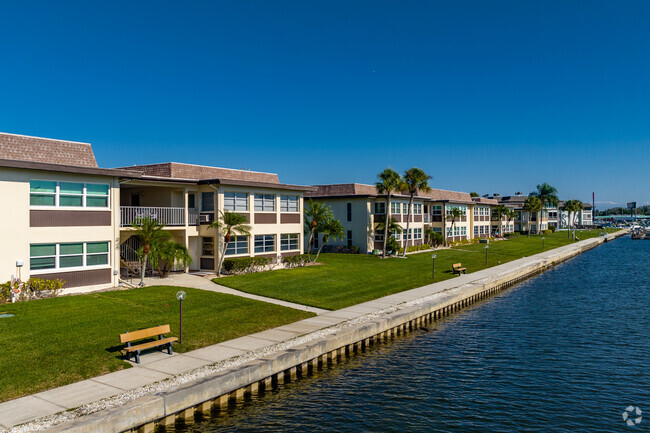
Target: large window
[[237, 245], [207, 248], [349, 238], [207, 201], [264, 243], [449, 232], [264, 203], [68, 194], [349, 209], [235, 201], [417, 208], [289, 242], [417, 233], [476, 230], [395, 208], [380, 208], [288, 203], [68, 255], [436, 210], [397, 235]]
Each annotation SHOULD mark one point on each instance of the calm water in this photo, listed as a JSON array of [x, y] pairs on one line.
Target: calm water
[[566, 351]]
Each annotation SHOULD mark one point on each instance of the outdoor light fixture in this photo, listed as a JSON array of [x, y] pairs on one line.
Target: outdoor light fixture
[[543, 243], [486, 252], [433, 273], [180, 295]]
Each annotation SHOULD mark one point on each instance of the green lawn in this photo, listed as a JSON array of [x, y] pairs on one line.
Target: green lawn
[[348, 279], [53, 342]]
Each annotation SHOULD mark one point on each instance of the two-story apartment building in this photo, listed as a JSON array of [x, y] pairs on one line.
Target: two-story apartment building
[[68, 219], [524, 220], [360, 209], [440, 204], [566, 219]]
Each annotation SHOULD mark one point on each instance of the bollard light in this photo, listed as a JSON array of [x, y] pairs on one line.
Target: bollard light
[[180, 295], [433, 273], [543, 243], [486, 254]]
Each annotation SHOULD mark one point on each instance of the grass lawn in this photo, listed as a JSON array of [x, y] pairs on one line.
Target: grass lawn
[[54, 342], [348, 279]]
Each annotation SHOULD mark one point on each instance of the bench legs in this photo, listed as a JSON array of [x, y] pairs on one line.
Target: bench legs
[[137, 357], [169, 349]]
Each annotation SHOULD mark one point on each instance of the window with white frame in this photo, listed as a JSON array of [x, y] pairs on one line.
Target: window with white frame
[[417, 233], [405, 208], [264, 243], [476, 211], [289, 242], [395, 208], [237, 245], [449, 232], [437, 229], [379, 237], [397, 235], [476, 230], [235, 201], [289, 203], [463, 231], [207, 246], [68, 255], [456, 231], [264, 203], [68, 194], [380, 208], [417, 208], [436, 210]]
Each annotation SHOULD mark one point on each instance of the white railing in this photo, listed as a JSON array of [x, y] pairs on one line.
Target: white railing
[[193, 217], [170, 216]]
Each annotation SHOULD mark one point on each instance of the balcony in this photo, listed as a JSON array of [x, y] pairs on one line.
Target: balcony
[[170, 216]]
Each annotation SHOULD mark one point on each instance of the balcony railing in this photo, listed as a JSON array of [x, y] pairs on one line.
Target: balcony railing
[[170, 216]]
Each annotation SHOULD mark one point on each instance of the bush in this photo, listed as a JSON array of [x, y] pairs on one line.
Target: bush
[[340, 249], [354, 250], [436, 239], [297, 260], [547, 232], [392, 245], [5, 292], [34, 288], [511, 235], [242, 265], [552, 229], [413, 248]]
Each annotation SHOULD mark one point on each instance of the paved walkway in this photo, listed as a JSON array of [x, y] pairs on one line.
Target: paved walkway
[[202, 283], [158, 366]]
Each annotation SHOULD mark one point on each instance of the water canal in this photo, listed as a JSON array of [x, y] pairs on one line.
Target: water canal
[[568, 350]]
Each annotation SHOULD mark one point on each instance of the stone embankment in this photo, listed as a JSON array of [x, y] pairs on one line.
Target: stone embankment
[[318, 342]]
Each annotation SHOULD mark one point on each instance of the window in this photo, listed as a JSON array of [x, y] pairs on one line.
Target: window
[[68, 255], [380, 208], [237, 245], [477, 210], [395, 208], [449, 233], [289, 203], [437, 229], [349, 205], [436, 210], [235, 201], [456, 231], [207, 248], [463, 231], [264, 243], [191, 201], [264, 203], [289, 242], [349, 238], [405, 208], [417, 233], [315, 242], [379, 237], [207, 201], [397, 235], [68, 194], [476, 230], [417, 209]]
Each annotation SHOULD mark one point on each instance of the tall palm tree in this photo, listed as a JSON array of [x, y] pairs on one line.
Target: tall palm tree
[[415, 180], [572, 207], [149, 231], [229, 224], [393, 227], [453, 216], [548, 196], [166, 254], [532, 205], [499, 212], [315, 212], [510, 215], [389, 181], [329, 227]]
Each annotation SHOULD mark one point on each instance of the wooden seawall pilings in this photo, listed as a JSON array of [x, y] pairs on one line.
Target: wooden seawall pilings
[[215, 393]]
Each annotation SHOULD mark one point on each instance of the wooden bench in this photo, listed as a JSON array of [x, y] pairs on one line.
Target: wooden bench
[[456, 268], [159, 331]]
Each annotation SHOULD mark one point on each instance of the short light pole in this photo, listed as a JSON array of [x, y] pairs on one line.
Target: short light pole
[[486, 254], [543, 243], [433, 273], [180, 295]]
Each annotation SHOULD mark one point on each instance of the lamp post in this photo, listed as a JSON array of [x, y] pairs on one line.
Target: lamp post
[[180, 295], [433, 273], [543, 243], [486, 254]]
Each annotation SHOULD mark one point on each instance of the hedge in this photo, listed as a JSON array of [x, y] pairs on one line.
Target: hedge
[[241, 265]]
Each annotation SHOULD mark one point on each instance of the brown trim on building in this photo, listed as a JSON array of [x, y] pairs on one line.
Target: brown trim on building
[[90, 277], [266, 218], [289, 218], [436, 218], [44, 166], [272, 255], [69, 218], [290, 253], [417, 218]]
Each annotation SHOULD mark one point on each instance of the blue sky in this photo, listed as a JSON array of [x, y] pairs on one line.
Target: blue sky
[[484, 96]]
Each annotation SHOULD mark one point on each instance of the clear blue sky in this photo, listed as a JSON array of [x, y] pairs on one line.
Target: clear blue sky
[[484, 96]]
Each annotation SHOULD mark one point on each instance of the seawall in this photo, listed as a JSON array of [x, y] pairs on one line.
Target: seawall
[[360, 326]]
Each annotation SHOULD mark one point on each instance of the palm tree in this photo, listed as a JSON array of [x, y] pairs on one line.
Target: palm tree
[[547, 195], [453, 216], [572, 207], [149, 231], [510, 215], [393, 227], [433, 237], [532, 205], [499, 211], [415, 180], [166, 254], [315, 211], [389, 182], [329, 227], [229, 224]]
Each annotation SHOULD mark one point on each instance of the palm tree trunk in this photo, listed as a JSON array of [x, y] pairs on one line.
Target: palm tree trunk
[[222, 256], [387, 216], [408, 224], [143, 268], [311, 241], [319, 250]]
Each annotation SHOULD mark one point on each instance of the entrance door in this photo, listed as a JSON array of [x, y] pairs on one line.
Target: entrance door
[[193, 248]]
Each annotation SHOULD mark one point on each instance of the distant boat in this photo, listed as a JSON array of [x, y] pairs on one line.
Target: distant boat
[[640, 234]]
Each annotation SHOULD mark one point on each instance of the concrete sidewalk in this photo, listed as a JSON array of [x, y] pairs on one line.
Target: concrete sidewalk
[[202, 283], [157, 366]]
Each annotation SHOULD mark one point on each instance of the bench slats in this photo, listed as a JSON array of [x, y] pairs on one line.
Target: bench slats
[[150, 344], [144, 333]]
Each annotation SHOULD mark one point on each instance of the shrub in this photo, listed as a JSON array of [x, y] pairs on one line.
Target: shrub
[[5, 292], [297, 260], [547, 232], [552, 229], [413, 248], [436, 239], [354, 249], [241, 265], [392, 245], [511, 235]]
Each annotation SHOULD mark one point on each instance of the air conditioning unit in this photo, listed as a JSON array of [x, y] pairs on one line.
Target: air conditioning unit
[[204, 218]]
